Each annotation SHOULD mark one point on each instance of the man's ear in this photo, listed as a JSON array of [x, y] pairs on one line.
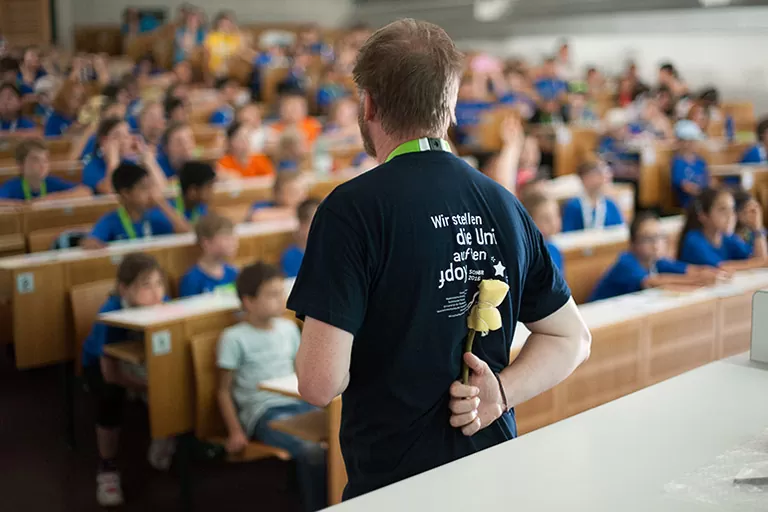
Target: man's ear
[[369, 107]]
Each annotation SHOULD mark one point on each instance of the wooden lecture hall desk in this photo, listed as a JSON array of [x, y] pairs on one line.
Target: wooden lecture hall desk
[[588, 254], [622, 456], [638, 340], [39, 284]]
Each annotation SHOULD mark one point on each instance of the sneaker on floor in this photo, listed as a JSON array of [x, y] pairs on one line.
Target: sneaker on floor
[[108, 490], [161, 452]]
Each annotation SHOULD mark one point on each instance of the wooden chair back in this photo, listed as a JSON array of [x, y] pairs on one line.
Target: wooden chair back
[[86, 301]]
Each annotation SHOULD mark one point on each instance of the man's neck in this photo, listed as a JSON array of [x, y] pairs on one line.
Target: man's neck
[[211, 265], [387, 146]]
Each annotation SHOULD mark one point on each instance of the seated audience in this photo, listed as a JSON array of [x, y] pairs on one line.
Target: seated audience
[[11, 119], [689, 171], [250, 116], [290, 262], [91, 115], [699, 115], [757, 154], [545, 213], [218, 245], [34, 182], [471, 105], [594, 210], [515, 91], [135, 24], [579, 111], [548, 85], [143, 210], [228, 92], [291, 151], [140, 283], [342, 129], [9, 70], [30, 70], [293, 115], [176, 110], [708, 239], [222, 42], [505, 167], [645, 265], [289, 191], [177, 147], [196, 180], [749, 218], [151, 123], [189, 37], [113, 145], [66, 107], [669, 78], [297, 79], [612, 147], [239, 161], [652, 121], [264, 347], [331, 90]]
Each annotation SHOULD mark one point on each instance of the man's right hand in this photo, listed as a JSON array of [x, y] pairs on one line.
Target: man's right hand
[[236, 442], [476, 405]]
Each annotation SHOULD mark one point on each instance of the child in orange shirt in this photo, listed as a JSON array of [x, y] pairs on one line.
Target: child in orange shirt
[[239, 162], [293, 114]]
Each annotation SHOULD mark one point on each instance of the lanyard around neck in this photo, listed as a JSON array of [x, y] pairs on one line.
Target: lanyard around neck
[[419, 145], [593, 218], [27, 191], [183, 210], [12, 126], [127, 223]]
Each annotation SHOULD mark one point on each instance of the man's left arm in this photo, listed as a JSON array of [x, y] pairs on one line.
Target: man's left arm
[[322, 362]]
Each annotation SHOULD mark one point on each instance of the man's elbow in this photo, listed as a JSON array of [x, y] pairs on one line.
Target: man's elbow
[[316, 391], [583, 346]]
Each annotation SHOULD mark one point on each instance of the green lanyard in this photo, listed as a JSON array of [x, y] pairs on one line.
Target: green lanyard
[[28, 192], [418, 145], [125, 220], [183, 211]]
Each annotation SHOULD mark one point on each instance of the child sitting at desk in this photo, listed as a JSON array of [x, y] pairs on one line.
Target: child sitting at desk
[[289, 191], [225, 114], [757, 154], [196, 180], [240, 162], [689, 170], [292, 257], [143, 210], [11, 120], [293, 115], [35, 183], [594, 210], [707, 237], [264, 347], [218, 244], [749, 217], [545, 213], [644, 265], [140, 282]]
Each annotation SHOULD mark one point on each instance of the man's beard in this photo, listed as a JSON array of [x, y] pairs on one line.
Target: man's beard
[[367, 141]]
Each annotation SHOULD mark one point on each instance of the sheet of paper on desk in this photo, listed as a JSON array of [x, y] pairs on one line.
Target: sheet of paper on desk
[[714, 483]]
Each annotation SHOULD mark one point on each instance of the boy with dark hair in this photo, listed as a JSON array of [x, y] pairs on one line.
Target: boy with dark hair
[[757, 154], [212, 273], [260, 348], [11, 120], [594, 210], [196, 180], [228, 90], [34, 182], [143, 211], [291, 259]]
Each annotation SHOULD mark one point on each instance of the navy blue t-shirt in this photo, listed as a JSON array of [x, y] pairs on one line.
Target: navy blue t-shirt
[[692, 171], [395, 257]]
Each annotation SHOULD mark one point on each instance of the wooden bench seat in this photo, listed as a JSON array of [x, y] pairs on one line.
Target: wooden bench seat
[[310, 426], [131, 352]]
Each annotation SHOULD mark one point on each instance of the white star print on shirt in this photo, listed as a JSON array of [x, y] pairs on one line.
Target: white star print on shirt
[[499, 268]]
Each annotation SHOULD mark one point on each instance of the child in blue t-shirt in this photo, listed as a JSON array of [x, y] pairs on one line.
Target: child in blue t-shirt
[[707, 237], [471, 105], [11, 120], [140, 283], [196, 180], [143, 211], [290, 262], [594, 210], [288, 192], [545, 213], [218, 244], [548, 86], [757, 154], [225, 114], [749, 217], [34, 183], [645, 265], [689, 171]]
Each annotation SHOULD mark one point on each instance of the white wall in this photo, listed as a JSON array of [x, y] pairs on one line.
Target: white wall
[[722, 47], [325, 12]]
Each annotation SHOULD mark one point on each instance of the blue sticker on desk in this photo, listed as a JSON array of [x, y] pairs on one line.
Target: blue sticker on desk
[[25, 282]]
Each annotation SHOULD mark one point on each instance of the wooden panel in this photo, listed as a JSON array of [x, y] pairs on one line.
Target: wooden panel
[[681, 340], [41, 342], [25, 22], [209, 323], [169, 384], [536, 413], [270, 247], [43, 239], [612, 370], [583, 268], [735, 322], [337, 473], [6, 307], [86, 300]]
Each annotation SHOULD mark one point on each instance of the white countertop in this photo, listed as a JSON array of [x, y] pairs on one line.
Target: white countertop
[[178, 310], [142, 244], [611, 235], [616, 457]]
